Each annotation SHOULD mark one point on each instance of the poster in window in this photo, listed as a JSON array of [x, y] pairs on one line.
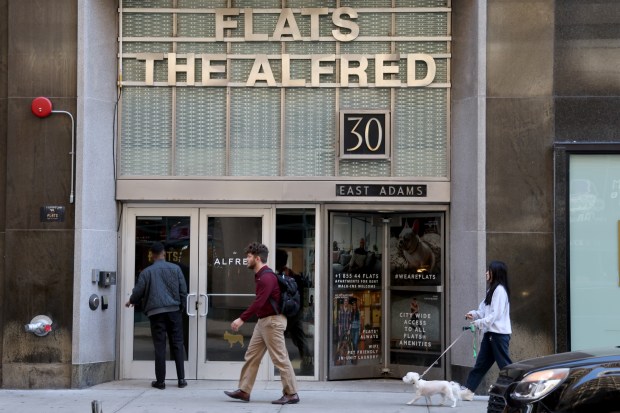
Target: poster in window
[[415, 251], [416, 321], [356, 337]]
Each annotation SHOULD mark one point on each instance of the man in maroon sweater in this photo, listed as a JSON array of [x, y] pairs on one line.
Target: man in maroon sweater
[[268, 334]]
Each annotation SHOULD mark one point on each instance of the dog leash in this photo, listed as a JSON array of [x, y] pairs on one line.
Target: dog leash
[[471, 328]]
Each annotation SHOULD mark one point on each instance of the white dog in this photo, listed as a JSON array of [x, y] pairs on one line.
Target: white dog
[[427, 388]]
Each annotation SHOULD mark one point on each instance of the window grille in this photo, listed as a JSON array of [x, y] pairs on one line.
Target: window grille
[[276, 131]]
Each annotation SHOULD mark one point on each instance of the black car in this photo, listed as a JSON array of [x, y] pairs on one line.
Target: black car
[[575, 382]]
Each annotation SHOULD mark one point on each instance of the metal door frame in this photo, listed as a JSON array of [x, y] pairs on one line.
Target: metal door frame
[[224, 370], [198, 215], [144, 369]]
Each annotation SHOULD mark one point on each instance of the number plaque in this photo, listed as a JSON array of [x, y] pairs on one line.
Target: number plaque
[[364, 134]]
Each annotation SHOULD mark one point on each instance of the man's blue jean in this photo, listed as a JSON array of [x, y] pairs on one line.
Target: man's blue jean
[[494, 349]]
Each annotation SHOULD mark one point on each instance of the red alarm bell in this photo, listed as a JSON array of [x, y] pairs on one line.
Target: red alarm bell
[[41, 107]]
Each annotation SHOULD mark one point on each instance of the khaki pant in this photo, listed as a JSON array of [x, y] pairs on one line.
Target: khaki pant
[[268, 335]]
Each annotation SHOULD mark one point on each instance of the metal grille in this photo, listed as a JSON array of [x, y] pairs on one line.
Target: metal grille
[[196, 25], [201, 132], [147, 24], [200, 4], [258, 4], [309, 151], [496, 403], [356, 4], [325, 21], [147, 130], [237, 130], [318, 3], [147, 3], [377, 24], [255, 133], [421, 24], [422, 47], [420, 131], [422, 3], [364, 168]]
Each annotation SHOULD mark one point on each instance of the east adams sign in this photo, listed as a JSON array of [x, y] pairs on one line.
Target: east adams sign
[[379, 190]]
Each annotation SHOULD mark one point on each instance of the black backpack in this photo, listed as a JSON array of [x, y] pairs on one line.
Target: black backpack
[[290, 301]]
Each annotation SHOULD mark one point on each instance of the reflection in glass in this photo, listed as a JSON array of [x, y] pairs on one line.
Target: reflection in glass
[[594, 250], [369, 253], [230, 285], [415, 327], [174, 233], [356, 286], [415, 250], [295, 246]]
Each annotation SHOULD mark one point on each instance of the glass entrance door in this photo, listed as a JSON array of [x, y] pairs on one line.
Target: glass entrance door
[[356, 296], [208, 245], [177, 228], [386, 294], [226, 288]]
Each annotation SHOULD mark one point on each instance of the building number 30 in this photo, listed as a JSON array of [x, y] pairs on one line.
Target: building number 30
[[365, 138]]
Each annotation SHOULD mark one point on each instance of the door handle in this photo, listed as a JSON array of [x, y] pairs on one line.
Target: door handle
[[204, 314], [187, 305]]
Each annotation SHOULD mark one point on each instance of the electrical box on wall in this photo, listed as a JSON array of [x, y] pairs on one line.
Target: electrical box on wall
[[107, 278], [104, 278]]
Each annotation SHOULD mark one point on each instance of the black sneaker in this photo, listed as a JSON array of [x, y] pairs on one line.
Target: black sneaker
[[182, 383]]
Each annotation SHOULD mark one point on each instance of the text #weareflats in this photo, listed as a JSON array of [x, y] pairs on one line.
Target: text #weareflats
[[287, 399], [238, 394], [158, 385]]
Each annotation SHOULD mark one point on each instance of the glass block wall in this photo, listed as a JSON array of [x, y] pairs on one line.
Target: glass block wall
[[176, 128]]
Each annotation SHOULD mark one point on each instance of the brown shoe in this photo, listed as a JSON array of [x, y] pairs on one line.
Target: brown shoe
[[238, 394], [287, 399]]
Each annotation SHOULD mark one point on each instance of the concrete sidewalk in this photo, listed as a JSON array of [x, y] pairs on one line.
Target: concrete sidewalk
[[206, 396]]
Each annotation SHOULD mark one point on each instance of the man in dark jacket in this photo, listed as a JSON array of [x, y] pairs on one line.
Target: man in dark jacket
[[162, 289]]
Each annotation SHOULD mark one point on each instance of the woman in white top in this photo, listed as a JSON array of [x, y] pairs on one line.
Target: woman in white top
[[493, 318]]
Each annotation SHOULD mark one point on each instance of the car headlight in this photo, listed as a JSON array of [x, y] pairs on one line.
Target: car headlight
[[537, 385]]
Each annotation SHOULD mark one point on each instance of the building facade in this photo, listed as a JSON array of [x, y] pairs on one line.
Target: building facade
[[390, 149]]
